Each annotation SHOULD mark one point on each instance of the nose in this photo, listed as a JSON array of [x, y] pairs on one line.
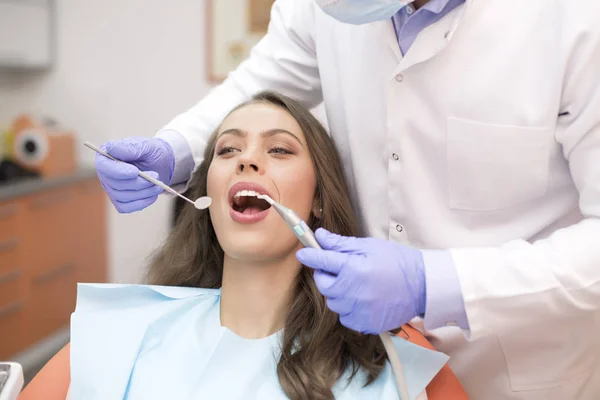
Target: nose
[[248, 164]]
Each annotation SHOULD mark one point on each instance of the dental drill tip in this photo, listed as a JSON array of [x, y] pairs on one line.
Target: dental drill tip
[[266, 198]]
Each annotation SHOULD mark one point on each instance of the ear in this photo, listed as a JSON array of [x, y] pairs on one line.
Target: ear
[[316, 209]]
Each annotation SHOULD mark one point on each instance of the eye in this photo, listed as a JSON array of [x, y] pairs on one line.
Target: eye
[[225, 150], [279, 150]]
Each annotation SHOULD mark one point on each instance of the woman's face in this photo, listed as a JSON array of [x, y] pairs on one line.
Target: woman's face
[[260, 149]]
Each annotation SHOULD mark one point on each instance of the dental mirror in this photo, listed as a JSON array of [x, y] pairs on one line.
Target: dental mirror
[[203, 203]]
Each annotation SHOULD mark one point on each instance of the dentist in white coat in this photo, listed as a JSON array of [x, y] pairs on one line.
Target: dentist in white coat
[[470, 131]]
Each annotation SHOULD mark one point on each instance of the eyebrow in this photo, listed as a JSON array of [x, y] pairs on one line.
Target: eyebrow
[[264, 134]]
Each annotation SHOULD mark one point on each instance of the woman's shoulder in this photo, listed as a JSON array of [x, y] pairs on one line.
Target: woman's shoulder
[[94, 297]]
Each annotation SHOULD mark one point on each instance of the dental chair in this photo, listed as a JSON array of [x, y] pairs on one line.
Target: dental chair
[[11, 380]]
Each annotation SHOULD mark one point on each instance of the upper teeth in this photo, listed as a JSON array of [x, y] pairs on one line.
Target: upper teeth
[[246, 193]]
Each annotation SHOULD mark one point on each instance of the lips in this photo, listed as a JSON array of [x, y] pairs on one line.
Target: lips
[[246, 216]]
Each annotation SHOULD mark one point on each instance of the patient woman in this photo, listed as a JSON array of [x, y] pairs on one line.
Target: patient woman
[[232, 313]]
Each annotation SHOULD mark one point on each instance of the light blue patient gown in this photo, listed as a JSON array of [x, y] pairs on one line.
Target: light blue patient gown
[[140, 342]]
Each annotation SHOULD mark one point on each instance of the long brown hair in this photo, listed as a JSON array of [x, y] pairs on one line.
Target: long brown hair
[[316, 348]]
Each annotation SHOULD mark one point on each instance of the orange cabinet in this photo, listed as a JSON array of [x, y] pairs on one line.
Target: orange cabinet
[[50, 239], [12, 286], [9, 236], [52, 300], [89, 232], [12, 315]]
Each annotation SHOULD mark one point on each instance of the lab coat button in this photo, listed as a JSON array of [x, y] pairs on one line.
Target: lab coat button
[[399, 78], [399, 228], [409, 9], [395, 156]]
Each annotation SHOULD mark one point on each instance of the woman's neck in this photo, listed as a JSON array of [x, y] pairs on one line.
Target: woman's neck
[[256, 296], [419, 3]]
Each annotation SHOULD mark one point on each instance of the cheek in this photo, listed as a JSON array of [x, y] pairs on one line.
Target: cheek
[[215, 187], [214, 182], [298, 190]]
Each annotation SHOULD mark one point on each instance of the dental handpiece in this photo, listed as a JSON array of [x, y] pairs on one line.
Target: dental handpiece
[[308, 239], [298, 226]]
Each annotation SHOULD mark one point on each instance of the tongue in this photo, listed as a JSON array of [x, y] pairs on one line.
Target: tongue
[[252, 210], [251, 205]]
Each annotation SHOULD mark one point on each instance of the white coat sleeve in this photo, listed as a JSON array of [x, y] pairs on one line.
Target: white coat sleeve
[[283, 61], [523, 285]]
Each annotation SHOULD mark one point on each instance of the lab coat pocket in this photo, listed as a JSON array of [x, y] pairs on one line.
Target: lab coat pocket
[[492, 167], [554, 355]]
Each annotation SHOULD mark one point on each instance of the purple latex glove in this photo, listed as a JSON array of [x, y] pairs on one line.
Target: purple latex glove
[[374, 285], [128, 191]]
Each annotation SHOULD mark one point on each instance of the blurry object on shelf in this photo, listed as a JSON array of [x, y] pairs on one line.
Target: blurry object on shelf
[[237, 51], [259, 15], [40, 147], [231, 35], [10, 172], [5, 144]]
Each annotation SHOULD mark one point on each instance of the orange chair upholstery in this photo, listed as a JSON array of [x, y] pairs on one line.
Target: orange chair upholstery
[[52, 382], [445, 385]]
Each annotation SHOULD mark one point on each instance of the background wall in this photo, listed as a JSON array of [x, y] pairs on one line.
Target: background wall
[[123, 68]]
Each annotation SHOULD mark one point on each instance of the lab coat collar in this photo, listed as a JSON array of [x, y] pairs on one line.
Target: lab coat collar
[[447, 26]]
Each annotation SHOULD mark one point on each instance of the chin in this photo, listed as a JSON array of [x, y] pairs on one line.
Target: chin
[[252, 247]]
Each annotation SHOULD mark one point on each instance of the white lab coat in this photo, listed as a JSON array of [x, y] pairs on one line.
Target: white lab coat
[[459, 145]]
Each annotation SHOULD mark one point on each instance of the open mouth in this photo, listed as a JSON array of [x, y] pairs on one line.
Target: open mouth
[[246, 202]]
